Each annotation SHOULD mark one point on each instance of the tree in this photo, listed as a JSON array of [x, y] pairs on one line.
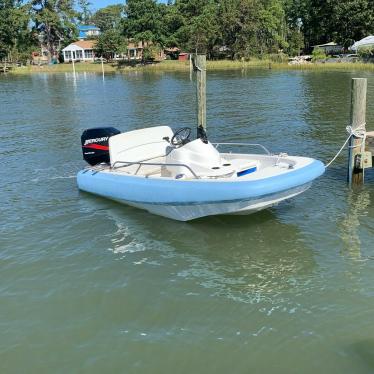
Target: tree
[[7, 32], [143, 21], [295, 41], [240, 26], [14, 30], [54, 21], [172, 22], [108, 18], [272, 27], [85, 13], [352, 20], [203, 30], [198, 25], [323, 21], [110, 43]]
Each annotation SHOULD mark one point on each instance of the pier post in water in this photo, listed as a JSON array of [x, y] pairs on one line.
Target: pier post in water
[[72, 60], [102, 67], [358, 122], [200, 67]]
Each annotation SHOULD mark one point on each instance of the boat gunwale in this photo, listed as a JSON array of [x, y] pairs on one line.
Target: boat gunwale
[[220, 179], [168, 191]]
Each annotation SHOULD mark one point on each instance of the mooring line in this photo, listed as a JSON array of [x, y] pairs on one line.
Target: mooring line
[[359, 132]]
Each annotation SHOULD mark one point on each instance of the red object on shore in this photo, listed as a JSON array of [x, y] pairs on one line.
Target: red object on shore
[[183, 57]]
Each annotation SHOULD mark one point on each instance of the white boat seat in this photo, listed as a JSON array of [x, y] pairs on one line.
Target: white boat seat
[[139, 145]]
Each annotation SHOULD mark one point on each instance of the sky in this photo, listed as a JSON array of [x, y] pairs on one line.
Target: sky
[[97, 4]]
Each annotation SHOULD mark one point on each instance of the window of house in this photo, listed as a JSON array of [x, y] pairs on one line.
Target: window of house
[[68, 55], [79, 55], [88, 53]]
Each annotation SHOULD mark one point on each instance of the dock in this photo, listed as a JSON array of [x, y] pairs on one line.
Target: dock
[[5, 67]]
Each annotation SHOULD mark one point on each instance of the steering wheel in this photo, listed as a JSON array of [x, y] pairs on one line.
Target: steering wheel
[[181, 137]]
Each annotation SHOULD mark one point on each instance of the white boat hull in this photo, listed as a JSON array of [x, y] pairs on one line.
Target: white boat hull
[[187, 212], [194, 180]]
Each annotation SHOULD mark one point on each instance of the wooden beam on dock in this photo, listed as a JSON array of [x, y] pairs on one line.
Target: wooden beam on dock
[[199, 61], [369, 146], [370, 141], [5, 68], [358, 122]]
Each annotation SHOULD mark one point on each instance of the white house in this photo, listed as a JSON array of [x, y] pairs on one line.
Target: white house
[[329, 48], [88, 31], [82, 50]]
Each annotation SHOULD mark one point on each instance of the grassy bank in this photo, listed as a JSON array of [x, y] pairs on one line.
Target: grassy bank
[[162, 66], [184, 66]]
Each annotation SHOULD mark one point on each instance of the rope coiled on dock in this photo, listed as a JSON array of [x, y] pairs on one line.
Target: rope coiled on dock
[[359, 133]]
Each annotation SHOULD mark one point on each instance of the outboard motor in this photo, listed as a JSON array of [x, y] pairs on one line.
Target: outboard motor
[[95, 144]]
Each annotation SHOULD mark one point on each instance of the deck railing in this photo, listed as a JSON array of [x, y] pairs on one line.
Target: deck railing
[[140, 163]]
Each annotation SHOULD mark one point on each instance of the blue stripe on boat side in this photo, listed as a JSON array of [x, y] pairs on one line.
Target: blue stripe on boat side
[[246, 172], [167, 191]]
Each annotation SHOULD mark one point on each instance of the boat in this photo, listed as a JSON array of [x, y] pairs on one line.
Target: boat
[[169, 174]]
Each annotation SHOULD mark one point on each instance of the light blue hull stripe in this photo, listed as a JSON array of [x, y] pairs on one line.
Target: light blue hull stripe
[[140, 190]]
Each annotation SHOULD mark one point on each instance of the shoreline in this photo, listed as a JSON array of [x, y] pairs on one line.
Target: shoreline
[[168, 66]]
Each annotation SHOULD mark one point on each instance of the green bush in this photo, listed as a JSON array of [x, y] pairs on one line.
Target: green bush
[[366, 52], [277, 57], [318, 54]]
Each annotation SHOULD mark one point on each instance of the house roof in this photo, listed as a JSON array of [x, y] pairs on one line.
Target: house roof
[[331, 44], [80, 44], [87, 27], [133, 45], [85, 44], [172, 49]]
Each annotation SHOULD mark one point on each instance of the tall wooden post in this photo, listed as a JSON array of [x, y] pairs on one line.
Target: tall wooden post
[[102, 67], [200, 67], [358, 121], [73, 65], [191, 66]]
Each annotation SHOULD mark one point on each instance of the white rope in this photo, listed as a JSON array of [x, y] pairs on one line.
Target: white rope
[[359, 132]]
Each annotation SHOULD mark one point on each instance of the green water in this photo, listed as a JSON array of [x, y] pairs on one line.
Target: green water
[[90, 286]]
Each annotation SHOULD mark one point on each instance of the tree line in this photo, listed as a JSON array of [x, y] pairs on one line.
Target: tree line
[[232, 29]]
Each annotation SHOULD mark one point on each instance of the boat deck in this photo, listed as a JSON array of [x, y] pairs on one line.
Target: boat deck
[[233, 164]]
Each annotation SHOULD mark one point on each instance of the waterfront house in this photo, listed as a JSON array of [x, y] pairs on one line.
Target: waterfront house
[[329, 48], [172, 53], [135, 51], [88, 32], [82, 50]]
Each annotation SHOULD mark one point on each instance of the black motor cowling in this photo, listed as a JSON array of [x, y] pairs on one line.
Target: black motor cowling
[[95, 144]]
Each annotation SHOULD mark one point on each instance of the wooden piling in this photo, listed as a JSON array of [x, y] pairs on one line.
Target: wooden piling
[[358, 121], [102, 67], [72, 60], [191, 66], [370, 142], [200, 67]]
